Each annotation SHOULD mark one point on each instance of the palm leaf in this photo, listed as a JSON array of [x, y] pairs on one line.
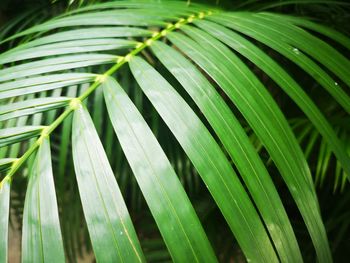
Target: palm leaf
[[68, 65], [41, 238], [287, 83], [12, 135], [161, 188], [112, 234], [230, 132], [202, 150], [285, 152]]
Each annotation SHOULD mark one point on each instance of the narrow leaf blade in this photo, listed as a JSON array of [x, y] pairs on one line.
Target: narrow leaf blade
[[162, 189], [265, 118], [41, 237], [111, 231], [209, 160], [238, 145]]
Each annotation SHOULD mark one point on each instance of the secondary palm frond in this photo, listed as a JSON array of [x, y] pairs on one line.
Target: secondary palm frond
[[313, 142], [192, 62]]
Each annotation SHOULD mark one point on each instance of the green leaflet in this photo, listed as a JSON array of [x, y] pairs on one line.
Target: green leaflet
[[285, 81], [13, 150], [115, 17], [327, 31], [202, 150], [301, 39], [139, 13], [85, 33], [4, 218], [47, 79], [324, 156], [31, 106], [41, 235], [111, 231], [266, 119], [98, 110], [6, 164], [54, 64], [42, 83], [12, 135], [238, 146], [65, 140], [67, 47], [270, 38], [161, 188]]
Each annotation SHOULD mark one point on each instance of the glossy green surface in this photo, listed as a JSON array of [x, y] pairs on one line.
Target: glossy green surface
[[285, 81], [164, 194], [202, 150], [41, 234], [54, 64], [263, 115], [308, 24], [42, 83], [270, 38], [12, 135], [238, 145], [111, 231], [67, 47], [29, 107], [306, 42], [6, 163]]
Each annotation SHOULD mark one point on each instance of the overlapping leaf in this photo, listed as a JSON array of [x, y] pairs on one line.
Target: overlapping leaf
[[162, 190], [243, 154], [208, 159]]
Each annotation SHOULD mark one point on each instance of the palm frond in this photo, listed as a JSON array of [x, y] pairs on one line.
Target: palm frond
[[190, 69]]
